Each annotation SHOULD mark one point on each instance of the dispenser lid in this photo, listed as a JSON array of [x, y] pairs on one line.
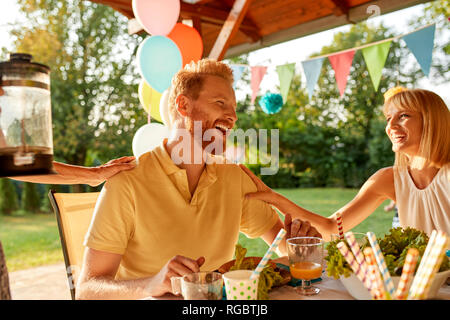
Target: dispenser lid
[[21, 63]]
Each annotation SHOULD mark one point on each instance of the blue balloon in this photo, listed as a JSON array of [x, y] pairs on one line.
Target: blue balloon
[[158, 59]]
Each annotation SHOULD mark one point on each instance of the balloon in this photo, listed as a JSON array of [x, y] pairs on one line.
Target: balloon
[[164, 107], [157, 17], [149, 99], [188, 41], [158, 60], [148, 137]]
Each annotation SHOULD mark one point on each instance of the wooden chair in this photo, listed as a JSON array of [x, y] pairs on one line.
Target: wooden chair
[[73, 213]]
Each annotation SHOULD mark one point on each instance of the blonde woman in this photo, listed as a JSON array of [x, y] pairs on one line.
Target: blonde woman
[[418, 125]]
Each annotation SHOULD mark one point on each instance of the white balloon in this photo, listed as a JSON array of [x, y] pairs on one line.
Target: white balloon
[[148, 137], [164, 107]]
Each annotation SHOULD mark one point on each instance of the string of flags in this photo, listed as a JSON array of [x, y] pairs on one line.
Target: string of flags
[[420, 42]]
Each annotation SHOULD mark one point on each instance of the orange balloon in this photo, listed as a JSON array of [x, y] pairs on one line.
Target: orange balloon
[[188, 41]]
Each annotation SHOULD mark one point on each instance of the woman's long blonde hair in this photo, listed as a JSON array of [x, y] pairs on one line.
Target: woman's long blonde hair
[[434, 146]]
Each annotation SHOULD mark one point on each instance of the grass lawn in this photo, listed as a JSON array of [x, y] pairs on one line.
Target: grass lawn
[[325, 201], [33, 240]]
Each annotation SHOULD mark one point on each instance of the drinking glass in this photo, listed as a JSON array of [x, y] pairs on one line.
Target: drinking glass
[[305, 262], [199, 286]]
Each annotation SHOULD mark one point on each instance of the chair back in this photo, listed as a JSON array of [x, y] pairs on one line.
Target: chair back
[[73, 213]]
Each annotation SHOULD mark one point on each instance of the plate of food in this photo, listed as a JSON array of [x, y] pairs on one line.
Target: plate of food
[[271, 276], [394, 247]]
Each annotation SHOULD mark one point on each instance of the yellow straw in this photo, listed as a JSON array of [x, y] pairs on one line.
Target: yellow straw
[[431, 266]]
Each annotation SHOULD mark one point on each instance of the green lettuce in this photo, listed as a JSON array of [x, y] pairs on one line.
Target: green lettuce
[[394, 247]]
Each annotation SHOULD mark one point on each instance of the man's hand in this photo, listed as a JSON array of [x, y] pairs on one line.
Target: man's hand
[[299, 228], [111, 168], [178, 266]]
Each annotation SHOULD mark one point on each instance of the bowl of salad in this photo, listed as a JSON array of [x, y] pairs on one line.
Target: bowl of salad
[[394, 247]]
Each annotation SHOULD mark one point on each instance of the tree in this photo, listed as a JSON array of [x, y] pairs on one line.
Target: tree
[[95, 105], [30, 198], [8, 196], [5, 293], [358, 111]]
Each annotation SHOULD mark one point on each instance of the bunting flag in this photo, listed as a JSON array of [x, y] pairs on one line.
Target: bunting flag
[[341, 64], [285, 75], [258, 73], [238, 71], [421, 44], [312, 71], [375, 58]]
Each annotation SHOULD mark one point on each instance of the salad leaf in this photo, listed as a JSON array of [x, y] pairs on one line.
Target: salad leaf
[[394, 247]]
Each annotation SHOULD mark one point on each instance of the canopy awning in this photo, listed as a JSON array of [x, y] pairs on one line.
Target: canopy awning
[[255, 24]]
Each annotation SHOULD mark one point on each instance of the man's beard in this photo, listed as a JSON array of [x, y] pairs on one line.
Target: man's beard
[[208, 137]]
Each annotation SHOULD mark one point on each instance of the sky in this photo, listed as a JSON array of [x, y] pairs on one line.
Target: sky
[[293, 51]]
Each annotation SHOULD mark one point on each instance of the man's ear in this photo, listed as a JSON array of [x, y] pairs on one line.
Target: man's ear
[[183, 105]]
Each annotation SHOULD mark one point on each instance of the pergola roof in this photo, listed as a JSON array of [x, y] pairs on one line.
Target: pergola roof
[[255, 24]]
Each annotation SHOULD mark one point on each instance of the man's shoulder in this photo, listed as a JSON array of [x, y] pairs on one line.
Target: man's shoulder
[[145, 163]]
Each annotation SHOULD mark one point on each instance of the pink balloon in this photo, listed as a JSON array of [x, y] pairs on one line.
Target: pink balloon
[[157, 17]]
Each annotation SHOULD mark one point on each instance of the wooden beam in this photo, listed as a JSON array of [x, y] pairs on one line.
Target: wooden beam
[[356, 14], [212, 14], [255, 35], [197, 24], [134, 26], [340, 7], [229, 29], [205, 14]]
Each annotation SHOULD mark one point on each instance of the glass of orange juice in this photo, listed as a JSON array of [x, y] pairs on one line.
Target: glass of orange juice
[[305, 262]]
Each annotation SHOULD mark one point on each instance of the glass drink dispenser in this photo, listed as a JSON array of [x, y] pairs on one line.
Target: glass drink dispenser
[[26, 140]]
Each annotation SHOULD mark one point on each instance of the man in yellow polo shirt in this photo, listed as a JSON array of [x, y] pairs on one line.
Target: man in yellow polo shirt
[[173, 214]]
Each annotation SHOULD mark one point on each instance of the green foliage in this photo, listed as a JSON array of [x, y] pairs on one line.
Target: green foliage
[[30, 198], [332, 140], [94, 82], [394, 247], [8, 199]]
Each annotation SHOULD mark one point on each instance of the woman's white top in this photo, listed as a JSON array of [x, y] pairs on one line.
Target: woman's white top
[[424, 209]]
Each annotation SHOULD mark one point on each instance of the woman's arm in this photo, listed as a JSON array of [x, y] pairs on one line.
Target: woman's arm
[[379, 187], [70, 174]]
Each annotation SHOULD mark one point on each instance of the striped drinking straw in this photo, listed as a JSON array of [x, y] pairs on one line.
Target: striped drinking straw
[[268, 254], [356, 250], [431, 266], [420, 269], [377, 288], [381, 263], [352, 262], [350, 237], [407, 274], [339, 225]]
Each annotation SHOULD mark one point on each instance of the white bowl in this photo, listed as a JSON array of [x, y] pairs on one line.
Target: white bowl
[[359, 292]]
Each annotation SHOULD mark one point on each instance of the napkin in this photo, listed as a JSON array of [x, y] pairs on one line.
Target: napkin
[[296, 282]]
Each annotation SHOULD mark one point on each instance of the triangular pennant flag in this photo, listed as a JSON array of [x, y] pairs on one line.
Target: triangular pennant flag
[[312, 71], [341, 64], [375, 58], [237, 73], [258, 73], [285, 75], [421, 44]]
